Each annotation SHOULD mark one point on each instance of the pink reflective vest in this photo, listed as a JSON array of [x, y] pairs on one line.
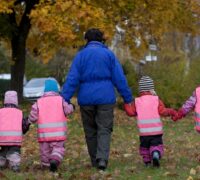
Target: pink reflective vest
[[10, 127], [52, 123], [148, 118], [197, 110]]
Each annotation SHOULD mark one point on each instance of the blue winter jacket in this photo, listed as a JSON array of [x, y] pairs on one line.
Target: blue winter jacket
[[95, 71]]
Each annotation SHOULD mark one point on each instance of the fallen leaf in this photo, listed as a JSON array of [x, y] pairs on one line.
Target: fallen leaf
[[132, 169], [36, 162], [127, 155], [149, 177], [198, 168], [192, 171], [166, 173], [190, 178], [172, 174]]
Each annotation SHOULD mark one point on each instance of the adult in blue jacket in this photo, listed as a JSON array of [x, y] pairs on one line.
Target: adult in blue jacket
[[95, 72]]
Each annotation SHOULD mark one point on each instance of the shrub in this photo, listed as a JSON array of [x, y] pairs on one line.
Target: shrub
[[174, 75]]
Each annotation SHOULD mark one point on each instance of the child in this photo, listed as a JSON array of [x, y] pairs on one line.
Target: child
[[12, 125], [50, 114], [192, 103], [148, 108]]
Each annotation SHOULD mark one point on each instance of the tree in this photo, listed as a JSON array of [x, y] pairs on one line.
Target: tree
[[54, 25], [18, 33], [44, 26]]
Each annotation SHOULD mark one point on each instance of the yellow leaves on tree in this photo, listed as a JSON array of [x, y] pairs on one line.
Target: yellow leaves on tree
[[5, 6], [63, 23]]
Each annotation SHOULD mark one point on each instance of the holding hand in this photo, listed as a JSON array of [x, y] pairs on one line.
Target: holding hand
[[172, 112], [130, 109], [178, 115]]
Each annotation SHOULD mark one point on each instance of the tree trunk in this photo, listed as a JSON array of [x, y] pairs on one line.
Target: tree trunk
[[18, 44], [18, 65]]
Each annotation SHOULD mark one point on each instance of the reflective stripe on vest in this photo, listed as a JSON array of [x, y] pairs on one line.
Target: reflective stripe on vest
[[51, 134], [147, 121], [52, 122], [11, 133], [10, 126], [197, 115], [197, 124], [197, 109], [54, 125], [3, 141], [148, 130], [148, 118]]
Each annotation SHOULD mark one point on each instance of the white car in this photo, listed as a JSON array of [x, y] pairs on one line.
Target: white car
[[8, 77], [5, 80], [35, 88]]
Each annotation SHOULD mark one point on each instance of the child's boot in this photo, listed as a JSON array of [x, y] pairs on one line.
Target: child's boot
[[2, 162], [148, 164], [145, 153], [14, 160], [156, 158], [15, 168], [53, 165]]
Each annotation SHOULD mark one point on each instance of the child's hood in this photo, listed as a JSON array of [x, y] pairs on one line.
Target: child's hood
[[50, 93], [11, 98], [143, 93]]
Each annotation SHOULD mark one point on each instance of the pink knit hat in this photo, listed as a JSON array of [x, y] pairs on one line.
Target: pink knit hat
[[11, 98]]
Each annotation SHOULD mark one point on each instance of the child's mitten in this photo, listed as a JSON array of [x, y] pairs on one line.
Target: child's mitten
[[180, 114], [172, 112], [129, 109], [175, 117]]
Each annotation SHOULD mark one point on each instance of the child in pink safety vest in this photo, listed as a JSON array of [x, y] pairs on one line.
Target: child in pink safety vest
[[193, 103], [148, 108], [12, 126], [50, 114]]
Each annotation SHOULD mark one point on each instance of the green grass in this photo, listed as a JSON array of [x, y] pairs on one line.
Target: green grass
[[180, 160]]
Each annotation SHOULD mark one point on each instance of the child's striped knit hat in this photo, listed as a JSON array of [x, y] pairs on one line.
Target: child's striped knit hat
[[146, 84]]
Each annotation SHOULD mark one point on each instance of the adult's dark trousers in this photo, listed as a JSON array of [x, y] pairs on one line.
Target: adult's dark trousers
[[98, 125]]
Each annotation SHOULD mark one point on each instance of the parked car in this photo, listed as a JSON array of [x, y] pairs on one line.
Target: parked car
[[8, 77], [35, 88]]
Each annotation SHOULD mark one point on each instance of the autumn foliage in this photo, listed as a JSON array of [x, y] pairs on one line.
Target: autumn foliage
[[62, 23], [45, 26]]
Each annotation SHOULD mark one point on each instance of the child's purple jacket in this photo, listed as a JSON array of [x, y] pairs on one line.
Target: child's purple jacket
[[189, 104]]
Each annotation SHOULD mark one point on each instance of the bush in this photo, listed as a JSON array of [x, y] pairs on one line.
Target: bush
[[173, 83]]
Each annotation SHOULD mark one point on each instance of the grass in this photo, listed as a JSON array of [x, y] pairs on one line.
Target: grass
[[180, 160]]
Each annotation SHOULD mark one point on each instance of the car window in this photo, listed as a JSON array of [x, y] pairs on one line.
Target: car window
[[35, 83]]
